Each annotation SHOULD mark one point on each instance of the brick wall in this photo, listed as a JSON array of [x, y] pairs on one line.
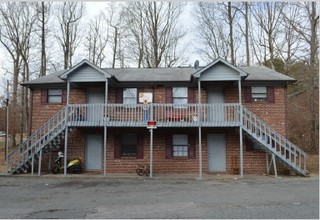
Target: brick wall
[[274, 114], [254, 161], [41, 113]]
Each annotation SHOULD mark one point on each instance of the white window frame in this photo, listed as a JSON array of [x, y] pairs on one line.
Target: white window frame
[[54, 95], [130, 96], [259, 93], [180, 145], [180, 96]]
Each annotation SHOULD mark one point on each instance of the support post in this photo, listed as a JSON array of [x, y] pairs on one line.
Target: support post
[[105, 151], [66, 132], [105, 130], [241, 153], [199, 129], [200, 154], [269, 164], [7, 129], [32, 165], [274, 166], [151, 152], [240, 128], [39, 165], [49, 163]]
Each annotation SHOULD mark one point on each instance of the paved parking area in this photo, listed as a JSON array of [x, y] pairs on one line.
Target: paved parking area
[[165, 196]]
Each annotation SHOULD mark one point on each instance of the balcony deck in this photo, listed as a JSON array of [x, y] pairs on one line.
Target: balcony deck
[[166, 115]]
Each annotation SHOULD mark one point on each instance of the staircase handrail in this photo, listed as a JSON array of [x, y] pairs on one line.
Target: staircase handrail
[[288, 145], [36, 136]]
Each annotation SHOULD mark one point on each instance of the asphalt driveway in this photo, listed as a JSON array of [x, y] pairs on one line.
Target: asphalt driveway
[[171, 196]]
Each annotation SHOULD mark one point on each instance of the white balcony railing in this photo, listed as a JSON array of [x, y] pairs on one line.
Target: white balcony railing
[[166, 115]]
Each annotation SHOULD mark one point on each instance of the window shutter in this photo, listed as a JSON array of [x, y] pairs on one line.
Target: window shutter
[[64, 96], [247, 94], [192, 147], [169, 95], [249, 144], [191, 98], [139, 147], [169, 147], [119, 95], [117, 146], [271, 95], [44, 96]]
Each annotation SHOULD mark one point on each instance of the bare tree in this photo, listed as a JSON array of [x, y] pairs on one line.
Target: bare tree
[[215, 26], [96, 40], [306, 25], [135, 24], [69, 15], [267, 16], [17, 27], [115, 20], [43, 9], [154, 32], [243, 8]]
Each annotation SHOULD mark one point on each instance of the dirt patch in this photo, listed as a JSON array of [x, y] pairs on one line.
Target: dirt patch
[[313, 164]]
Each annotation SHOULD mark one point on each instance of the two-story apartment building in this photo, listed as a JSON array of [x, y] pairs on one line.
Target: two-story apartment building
[[214, 119]]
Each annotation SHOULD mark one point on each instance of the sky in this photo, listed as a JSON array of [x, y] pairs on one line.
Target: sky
[[93, 8]]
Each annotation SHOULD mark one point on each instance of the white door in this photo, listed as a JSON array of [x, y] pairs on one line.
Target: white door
[[95, 112], [216, 150], [216, 96], [94, 151]]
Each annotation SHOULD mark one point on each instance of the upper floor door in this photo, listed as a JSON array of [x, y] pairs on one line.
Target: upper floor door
[[95, 112], [215, 96]]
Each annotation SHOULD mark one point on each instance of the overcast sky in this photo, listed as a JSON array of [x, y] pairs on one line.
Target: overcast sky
[[93, 8]]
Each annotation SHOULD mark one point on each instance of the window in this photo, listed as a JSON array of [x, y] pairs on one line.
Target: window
[[259, 93], [130, 96], [128, 145], [54, 95], [180, 145], [180, 95]]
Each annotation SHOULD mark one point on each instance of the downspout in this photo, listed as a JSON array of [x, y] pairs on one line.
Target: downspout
[[240, 130], [199, 129], [105, 129], [66, 129]]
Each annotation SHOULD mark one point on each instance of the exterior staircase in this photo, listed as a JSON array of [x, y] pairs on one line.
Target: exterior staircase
[[45, 138], [274, 143]]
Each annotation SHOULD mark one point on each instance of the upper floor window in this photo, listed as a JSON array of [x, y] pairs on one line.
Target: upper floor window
[[130, 96], [54, 95], [259, 93], [266, 94], [180, 95]]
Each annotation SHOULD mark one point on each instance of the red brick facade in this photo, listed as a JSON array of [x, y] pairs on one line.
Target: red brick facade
[[273, 114]]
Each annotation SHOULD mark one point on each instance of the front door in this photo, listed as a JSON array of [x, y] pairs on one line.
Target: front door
[[95, 112], [216, 151], [94, 151]]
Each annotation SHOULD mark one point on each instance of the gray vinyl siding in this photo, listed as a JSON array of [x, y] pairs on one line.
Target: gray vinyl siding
[[220, 72], [86, 74]]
